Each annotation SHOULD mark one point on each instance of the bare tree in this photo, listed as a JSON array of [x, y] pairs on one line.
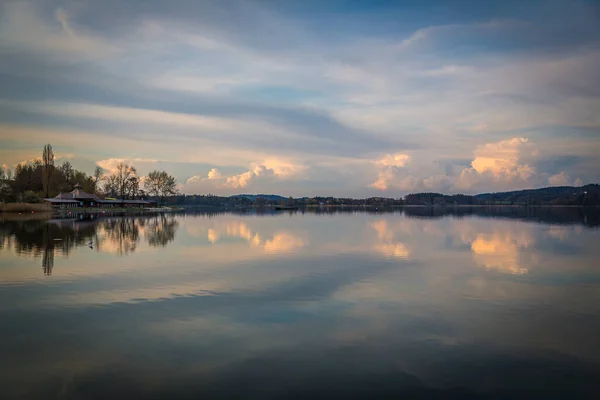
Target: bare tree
[[133, 187], [160, 184], [67, 170], [110, 186], [122, 179], [97, 177]]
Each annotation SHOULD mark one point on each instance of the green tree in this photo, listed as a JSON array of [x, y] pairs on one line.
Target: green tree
[[133, 187], [5, 185], [31, 197], [27, 177], [47, 168], [110, 186]]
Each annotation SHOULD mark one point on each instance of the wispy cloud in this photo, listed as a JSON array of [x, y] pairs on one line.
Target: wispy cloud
[[224, 84]]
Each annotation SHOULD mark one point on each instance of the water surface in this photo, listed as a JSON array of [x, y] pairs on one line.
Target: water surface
[[423, 302]]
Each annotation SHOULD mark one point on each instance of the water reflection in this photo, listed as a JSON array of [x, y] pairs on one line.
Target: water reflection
[[387, 244], [160, 230], [43, 239], [277, 242], [586, 216], [307, 305], [498, 252], [121, 235], [118, 235], [505, 251]]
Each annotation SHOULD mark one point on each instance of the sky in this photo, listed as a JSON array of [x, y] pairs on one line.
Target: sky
[[311, 98]]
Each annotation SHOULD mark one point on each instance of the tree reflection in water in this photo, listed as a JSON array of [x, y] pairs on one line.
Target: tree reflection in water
[[120, 235], [160, 230], [39, 238]]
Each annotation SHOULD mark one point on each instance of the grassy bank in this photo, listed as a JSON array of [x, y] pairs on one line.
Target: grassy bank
[[24, 208]]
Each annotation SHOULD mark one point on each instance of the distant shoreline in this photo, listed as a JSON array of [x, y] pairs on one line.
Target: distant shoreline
[[38, 208]]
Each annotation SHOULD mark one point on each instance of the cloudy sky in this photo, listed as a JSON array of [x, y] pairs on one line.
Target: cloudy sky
[[337, 97]]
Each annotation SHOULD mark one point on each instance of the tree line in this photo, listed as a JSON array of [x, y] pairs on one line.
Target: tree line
[[32, 181]]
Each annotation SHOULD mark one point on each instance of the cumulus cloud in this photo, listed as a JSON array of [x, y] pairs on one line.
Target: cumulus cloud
[[214, 174], [501, 159], [272, 167], [388, 166], [561, 179], [394, 160], [269, 169], [244, 179], [501, 163], [110, 164]]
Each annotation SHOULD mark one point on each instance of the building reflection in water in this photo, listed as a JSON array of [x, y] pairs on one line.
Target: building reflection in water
[[121, 235]]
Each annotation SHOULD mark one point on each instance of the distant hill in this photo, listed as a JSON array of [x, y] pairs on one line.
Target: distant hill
[[557, 195], [253, 197], [588, 195]]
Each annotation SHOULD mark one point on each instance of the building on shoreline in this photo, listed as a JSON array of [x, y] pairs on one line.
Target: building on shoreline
[[77, 198]]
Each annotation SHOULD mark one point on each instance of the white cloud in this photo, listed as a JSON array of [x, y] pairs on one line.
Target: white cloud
[[387, 167], [275, 169], [501, 159], [498, 163], [494, 165], [394, 160], [214, 174], [110, 165], [560, 179]]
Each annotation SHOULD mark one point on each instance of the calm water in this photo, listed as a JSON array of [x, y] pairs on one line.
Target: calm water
[[420, 303]]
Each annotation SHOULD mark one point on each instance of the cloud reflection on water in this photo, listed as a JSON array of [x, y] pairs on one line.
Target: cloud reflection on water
[[216, 302]]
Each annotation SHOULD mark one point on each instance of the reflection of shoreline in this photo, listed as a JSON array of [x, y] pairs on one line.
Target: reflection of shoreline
[[120, 235], [555, 215]]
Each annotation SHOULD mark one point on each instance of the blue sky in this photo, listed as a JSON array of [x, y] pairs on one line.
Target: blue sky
[[345, 98]]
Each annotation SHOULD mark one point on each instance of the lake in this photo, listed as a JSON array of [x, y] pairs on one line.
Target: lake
[[420, 302]]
